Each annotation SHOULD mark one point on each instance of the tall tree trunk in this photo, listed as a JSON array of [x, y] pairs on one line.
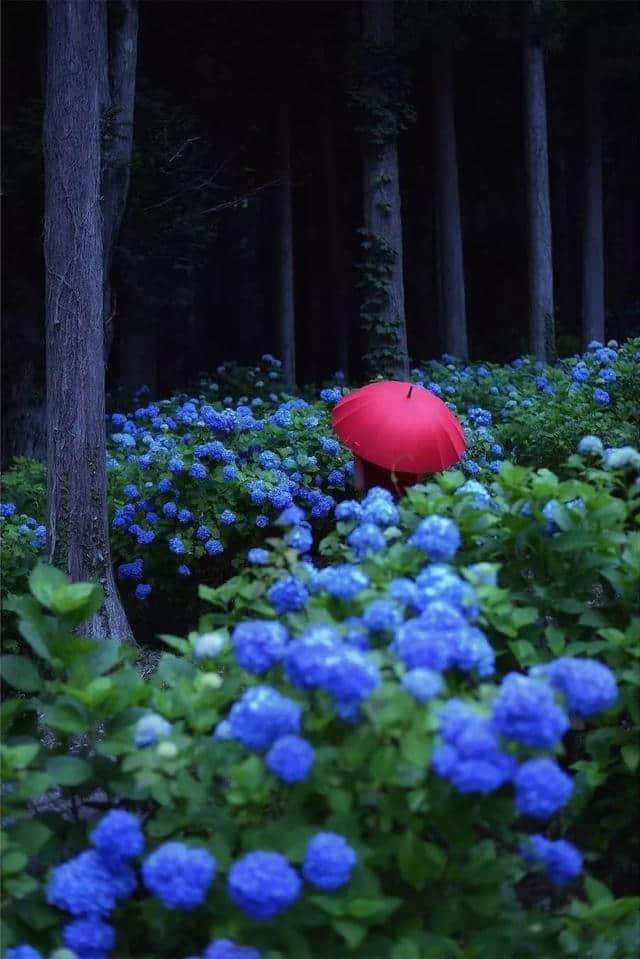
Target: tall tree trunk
[[338, 285], [541, 307], [77, 496], [448, 200], [382, 211], [287, 304], [118, 97], [593, 323]]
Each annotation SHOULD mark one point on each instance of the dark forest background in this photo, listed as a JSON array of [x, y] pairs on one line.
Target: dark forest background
[[195, 270]]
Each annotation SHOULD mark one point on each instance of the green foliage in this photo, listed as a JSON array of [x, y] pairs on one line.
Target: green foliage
[[384, 334]]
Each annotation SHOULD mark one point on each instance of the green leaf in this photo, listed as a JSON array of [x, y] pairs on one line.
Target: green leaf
[[30, 834], [65, 717], [81, 599], [20, 756], [555, 639], [68, 770], [631, 756], [13, 862], [597, 892], [364, 907], [352, 932], [44, 582], [21, 673], [176, 642], [20, 886]]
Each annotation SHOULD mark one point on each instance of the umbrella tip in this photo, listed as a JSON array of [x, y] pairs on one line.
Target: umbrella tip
[[410, 391]]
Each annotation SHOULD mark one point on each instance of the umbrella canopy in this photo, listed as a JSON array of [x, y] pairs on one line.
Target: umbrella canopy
[[399, 426]]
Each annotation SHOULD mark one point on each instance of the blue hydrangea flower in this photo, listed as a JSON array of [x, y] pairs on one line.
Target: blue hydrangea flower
[[290, 758], [177, 546], [291, 516], [262, 715], [423, 684], [145, 536], [608, 376], [142, 591], [622, 457], [131, 570], [179, 875], [198, 471], [485, 574], [175, 465], [441, 582], [305, 658], [438, 537], [329, 445], [228, 949], [403, 590], [329, 861], [381, 614], [365, 539], [259, 644], [336, 477], [229, 474], [184, 571], [331, 395], [23, 951], [480, 493], [580, 373], [561, 859], [470, 757], [85, 886], [39, 538], [348, 509], [149, 728], [525, 710], [299, 538], [605, 355], [164, 485], [541, 788], [343, 581], [213, 547], [117, 837], [349, 676], [130, 491], [431, 639], [170, 509], [89, 938], [227, 517], [262, 521], [287, 595], [258, 556], [203, 533], [587, 685], [184, 515], [601, 397], [263, 884]]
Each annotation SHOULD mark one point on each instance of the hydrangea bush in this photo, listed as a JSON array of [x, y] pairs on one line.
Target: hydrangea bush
[[364, 764]]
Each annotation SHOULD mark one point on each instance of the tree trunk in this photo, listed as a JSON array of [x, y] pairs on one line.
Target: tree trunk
[[121, 38], [77, 497], [448, 201], [338, 285], [541, 307], [382, 211], [593, 323], [287, 303]]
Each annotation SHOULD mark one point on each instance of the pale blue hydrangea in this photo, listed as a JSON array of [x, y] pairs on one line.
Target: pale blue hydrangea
[[618, 458], [366, 539], [343, 581], [259, 556], [23, 951], [382, 614], [601, 397], [288, 595], [208, 645], [228, 949], [89, 938], [348, 509], [149, 728], [423, 684], [588, 686]]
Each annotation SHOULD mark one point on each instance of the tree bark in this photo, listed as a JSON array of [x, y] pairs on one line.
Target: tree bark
[[78, 531], [541, 306], [381, 195], [454, 322], [287, 302], [338, 283], [118, 85], [593, 319]]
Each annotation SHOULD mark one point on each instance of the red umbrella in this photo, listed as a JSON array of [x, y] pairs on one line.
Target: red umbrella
[[400, 427]]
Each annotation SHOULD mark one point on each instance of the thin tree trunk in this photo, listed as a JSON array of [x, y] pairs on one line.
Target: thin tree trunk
[[562, 236], [287, 305], [77, 497], [381, 203], [119, 97], [448, 200], [338, 283], [541, 307], [593, 320]]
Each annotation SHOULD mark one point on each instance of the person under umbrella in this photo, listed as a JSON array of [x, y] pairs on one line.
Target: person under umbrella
[[398, 433]]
